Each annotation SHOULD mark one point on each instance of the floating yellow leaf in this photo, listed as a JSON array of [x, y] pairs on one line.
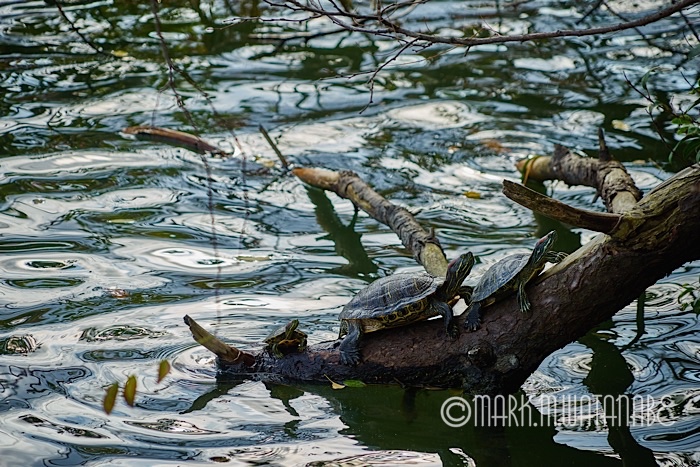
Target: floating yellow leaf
[[130, 390], [110, 398], [163, 370], [334, 385], [472, 194], [120, 53], [620, 125]]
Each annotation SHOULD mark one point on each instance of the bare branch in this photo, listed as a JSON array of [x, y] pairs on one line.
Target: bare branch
[[545, 35], [383, 18], [82, 36], [690, 26]]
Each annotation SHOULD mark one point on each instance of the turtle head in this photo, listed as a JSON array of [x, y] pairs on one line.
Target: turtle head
[[458, 270], [542, 247], [291, 327]]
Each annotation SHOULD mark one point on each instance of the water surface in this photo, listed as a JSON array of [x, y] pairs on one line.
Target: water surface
[[107, 242]]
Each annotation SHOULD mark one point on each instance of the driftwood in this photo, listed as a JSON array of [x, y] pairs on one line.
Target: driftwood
[[174, 138], [645, 241]]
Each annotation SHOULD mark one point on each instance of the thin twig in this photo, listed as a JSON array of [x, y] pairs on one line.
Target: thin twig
[[590, 11], [370, 82], [281, 157], [690, 26], [82, 36], [647, 96], [637, 30]]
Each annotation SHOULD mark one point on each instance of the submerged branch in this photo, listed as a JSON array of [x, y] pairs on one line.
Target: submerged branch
[[591, 220], [174, 138]]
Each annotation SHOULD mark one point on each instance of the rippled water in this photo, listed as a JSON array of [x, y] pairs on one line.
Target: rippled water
[[107, 242]]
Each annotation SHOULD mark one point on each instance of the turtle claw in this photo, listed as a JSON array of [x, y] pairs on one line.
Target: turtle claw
[[349, 358], [472, 325], [473, 319], [523, 302]]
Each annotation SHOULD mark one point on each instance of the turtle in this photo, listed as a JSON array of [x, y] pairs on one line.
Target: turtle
[[510, 275], [401, 299], [286, 339]]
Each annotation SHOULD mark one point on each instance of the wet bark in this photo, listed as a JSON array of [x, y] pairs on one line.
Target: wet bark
[[597, 221], [174, 138], [424, 245], [609, 177], [647, 241]]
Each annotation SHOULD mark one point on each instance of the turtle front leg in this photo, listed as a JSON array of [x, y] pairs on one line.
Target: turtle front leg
[[350, 346], [523, 302], [445, 311], [465, 293], [275, 350], [473, 320], [555, 257]]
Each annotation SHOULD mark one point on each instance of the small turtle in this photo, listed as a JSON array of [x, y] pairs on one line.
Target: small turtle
[[286, 339], [510, 275], [402, 299]]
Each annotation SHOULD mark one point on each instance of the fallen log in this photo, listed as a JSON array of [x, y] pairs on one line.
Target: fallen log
[[651, 239]]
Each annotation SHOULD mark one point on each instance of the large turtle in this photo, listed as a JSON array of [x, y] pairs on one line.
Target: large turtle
[[402, 299], [510, 275], [286, 339]]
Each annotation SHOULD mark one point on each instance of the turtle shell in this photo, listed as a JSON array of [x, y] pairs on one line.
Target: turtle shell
[[392, 293], [499, 277]]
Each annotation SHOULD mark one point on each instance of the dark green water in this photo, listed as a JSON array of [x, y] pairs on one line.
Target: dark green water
[[106, 242]]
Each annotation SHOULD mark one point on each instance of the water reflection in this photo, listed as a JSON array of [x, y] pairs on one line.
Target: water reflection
[[347, 242], [107, 242]]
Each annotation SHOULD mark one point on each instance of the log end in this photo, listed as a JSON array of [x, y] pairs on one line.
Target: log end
[[319, 178], [226, 353]]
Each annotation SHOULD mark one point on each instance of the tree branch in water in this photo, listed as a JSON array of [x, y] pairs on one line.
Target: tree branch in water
[[655, 236]]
